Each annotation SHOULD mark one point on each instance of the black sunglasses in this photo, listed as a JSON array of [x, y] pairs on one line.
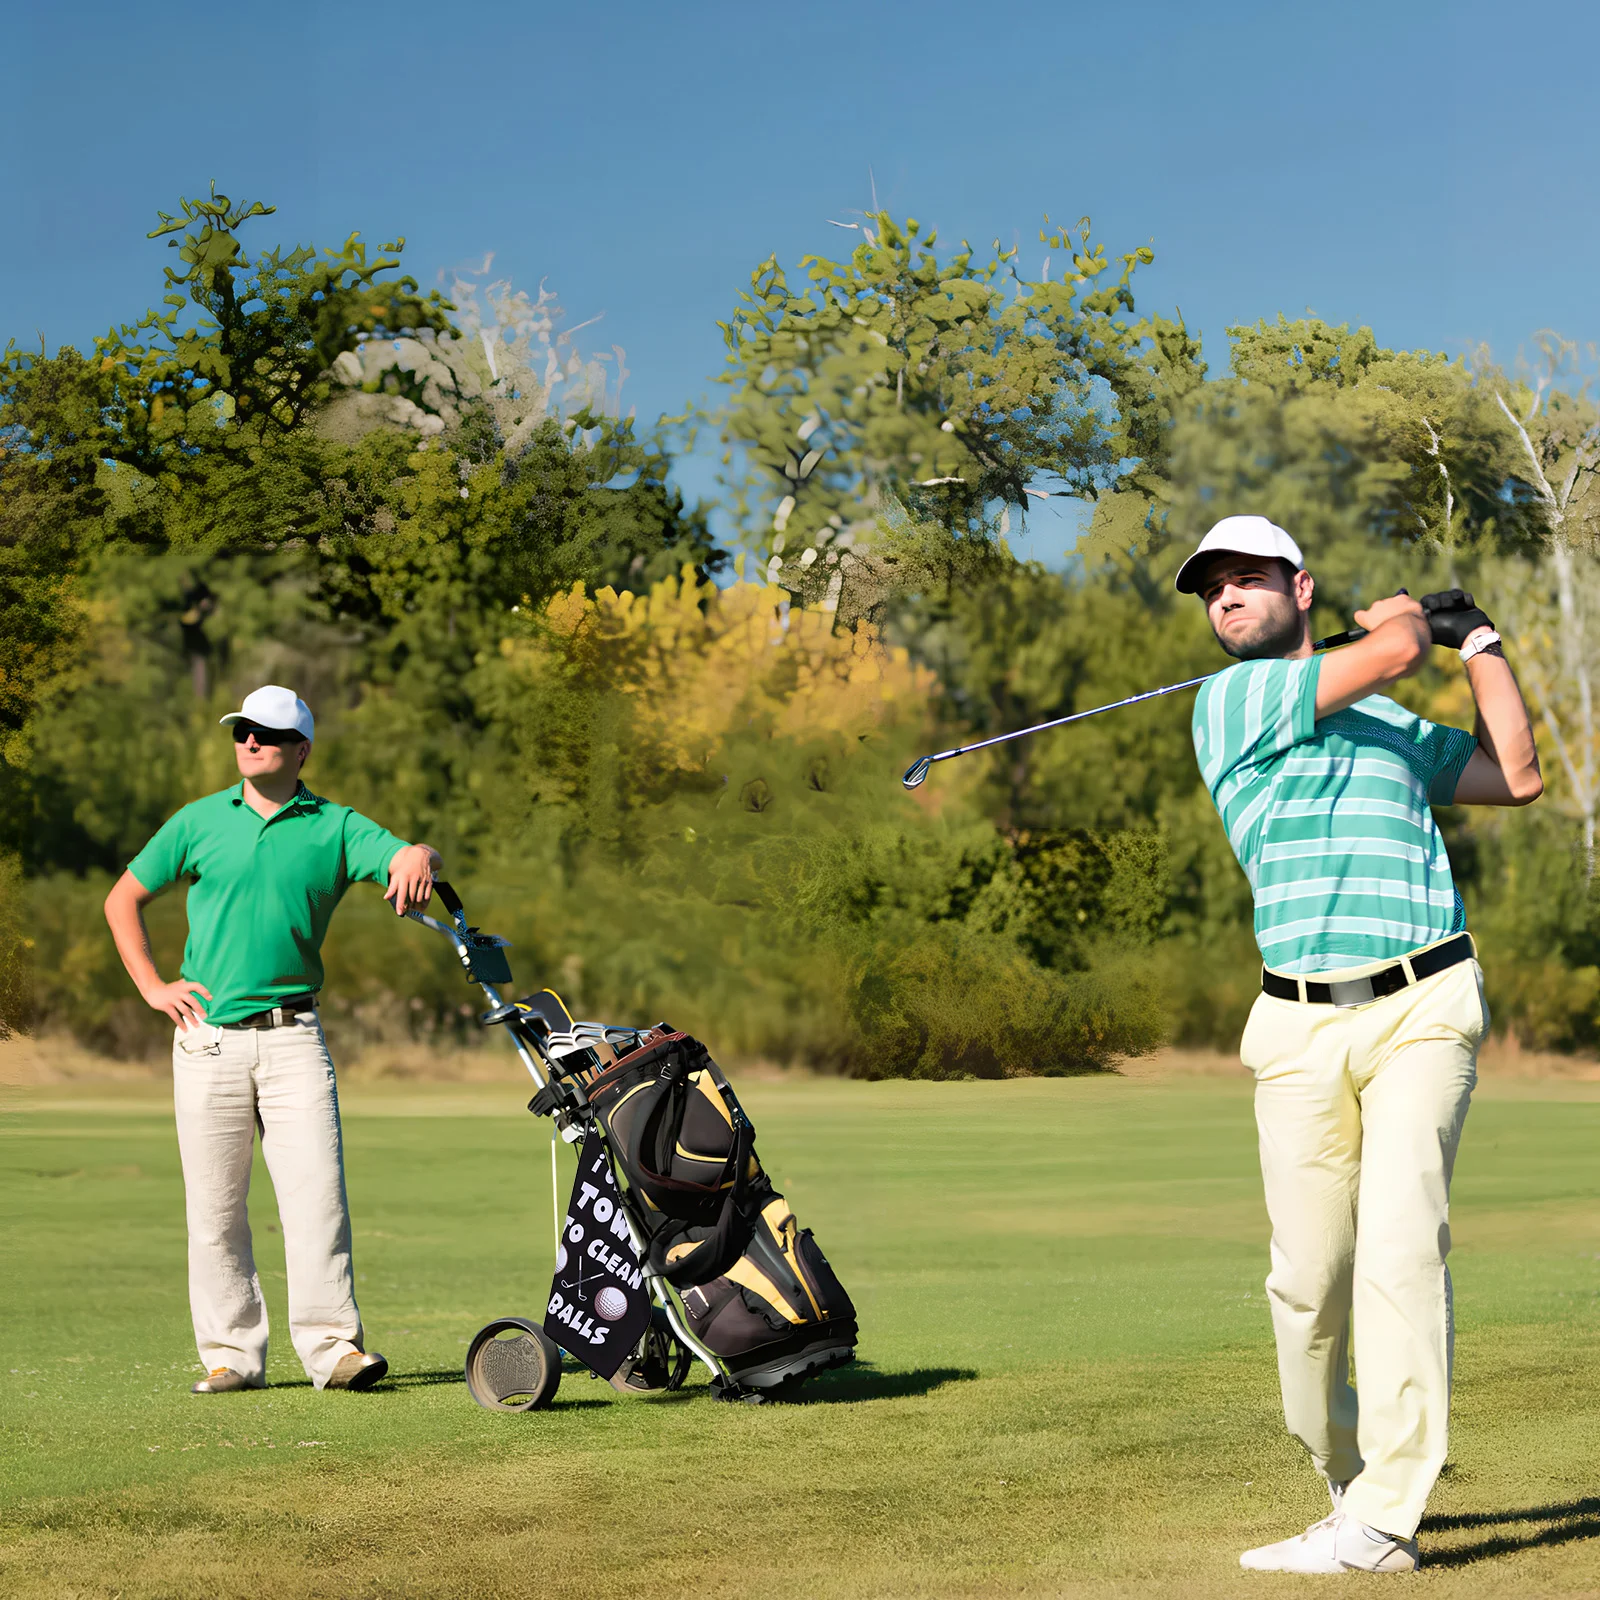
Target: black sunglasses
[[243, 731]]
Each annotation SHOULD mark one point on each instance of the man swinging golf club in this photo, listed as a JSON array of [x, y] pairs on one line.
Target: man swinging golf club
[[1364, 1040], [268, 862]]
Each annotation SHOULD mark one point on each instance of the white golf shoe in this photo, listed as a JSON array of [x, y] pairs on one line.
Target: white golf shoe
[[1336, 1544]]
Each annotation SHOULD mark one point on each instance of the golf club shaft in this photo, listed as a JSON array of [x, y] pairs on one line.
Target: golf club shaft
[[919, 770]]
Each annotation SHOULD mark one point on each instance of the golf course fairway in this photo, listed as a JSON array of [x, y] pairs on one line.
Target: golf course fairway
[[1066, 1384]]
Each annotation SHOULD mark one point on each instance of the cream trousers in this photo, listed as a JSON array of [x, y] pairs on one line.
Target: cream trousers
[[1359, 1111], [228, 1083]]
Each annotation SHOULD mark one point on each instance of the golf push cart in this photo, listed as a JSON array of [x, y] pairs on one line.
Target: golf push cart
[[675, 1246]]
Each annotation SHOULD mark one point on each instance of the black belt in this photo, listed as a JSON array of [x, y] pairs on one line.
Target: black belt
[[1376, 985], [280, 1016]]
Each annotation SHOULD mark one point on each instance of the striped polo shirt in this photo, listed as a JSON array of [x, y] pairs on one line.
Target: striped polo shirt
[[1330, 819]]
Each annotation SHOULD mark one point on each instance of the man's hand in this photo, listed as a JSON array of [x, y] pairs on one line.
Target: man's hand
[[411, 877], [125, 914], [177, 1000], [1398, 605], [1452, 617]]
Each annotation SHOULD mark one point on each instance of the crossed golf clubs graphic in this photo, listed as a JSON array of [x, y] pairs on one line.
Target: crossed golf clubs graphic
[[584, 1278]]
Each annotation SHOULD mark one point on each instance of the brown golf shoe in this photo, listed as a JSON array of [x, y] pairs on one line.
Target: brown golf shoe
[[358, 1370], [223, 1380]]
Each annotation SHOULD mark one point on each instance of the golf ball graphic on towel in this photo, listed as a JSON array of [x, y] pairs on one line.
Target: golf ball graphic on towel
[[561, 1258], [610, 1304]]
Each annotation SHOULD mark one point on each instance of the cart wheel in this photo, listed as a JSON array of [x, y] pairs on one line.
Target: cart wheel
[[658, 1364], [513, 1365]]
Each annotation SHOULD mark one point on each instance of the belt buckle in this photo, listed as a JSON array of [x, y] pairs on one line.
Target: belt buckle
[[1352, 992]]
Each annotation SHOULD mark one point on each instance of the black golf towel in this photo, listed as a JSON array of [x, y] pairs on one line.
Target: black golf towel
[[599, 1302]]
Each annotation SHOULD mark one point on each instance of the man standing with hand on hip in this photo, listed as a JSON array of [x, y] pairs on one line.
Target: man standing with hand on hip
[[1364, 1041], [268, 861]]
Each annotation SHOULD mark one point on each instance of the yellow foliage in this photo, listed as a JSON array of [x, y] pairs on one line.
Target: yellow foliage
[[698, 661]]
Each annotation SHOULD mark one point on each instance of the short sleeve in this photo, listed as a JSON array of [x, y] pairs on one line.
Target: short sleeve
[[1254, 712], [1437, 755], [162, 861], [368, 849], [1451, 749]]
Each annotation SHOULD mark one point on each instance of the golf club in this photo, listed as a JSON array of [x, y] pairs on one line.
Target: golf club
[[919, 769]]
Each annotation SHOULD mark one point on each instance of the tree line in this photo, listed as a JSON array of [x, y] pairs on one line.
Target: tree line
[[668, 769]]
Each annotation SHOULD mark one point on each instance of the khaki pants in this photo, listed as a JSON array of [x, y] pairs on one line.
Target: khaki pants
[[227, 1084], [1359, 1112]]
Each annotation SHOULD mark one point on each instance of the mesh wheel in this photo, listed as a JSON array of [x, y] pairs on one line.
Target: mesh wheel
[[512, 1365]]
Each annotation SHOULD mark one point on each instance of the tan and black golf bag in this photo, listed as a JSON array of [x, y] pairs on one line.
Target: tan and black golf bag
[[756, 1287]]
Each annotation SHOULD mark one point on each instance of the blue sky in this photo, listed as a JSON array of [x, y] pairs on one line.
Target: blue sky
[[1428, 169]]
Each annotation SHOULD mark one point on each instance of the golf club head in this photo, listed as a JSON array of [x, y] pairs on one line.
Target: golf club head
[[917, 772]]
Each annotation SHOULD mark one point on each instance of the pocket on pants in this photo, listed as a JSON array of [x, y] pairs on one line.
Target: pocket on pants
[[204, 1040], [1483, 1003], [1256, 1045], [1451, 1003], [1277, 1037]]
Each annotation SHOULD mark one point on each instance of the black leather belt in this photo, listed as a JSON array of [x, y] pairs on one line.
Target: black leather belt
[[281, 1016], [1376, 985]]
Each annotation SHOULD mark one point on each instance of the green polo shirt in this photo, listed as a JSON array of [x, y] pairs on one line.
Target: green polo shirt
[[263, 890]]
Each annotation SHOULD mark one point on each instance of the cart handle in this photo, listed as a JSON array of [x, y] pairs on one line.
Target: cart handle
[[459, 935]]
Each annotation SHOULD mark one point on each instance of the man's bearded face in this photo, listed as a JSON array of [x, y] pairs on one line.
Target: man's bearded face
[[1252, 608]]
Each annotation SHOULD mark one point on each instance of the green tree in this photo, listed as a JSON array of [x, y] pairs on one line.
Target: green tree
[[949, 385], [1551, 603], [253, 363], [202, 442], [1351, 447], [168, 402], [50, 511]]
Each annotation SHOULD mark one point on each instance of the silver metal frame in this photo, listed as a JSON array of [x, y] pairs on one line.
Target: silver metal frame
[[661, 1291]]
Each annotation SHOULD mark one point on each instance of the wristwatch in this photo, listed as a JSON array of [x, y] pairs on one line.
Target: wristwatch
[[1479, 640]]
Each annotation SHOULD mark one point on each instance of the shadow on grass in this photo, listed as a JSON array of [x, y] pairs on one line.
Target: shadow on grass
[[420, 1380], [842, 1386], [391, 1382], [1565, 1523], [862, 1381]]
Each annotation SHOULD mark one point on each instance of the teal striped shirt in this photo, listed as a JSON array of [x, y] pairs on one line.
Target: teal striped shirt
[[1330, 819]]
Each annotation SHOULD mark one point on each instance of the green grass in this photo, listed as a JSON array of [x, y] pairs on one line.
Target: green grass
[[1067, 1383]]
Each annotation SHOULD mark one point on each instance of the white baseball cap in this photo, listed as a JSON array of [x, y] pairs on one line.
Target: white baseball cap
[[1244, 536], [275, 707]]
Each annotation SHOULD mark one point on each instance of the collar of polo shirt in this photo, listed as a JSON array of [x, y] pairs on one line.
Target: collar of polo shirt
[[301, 797]]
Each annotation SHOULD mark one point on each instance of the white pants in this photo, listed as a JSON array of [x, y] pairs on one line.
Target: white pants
[[227, 1083], [1359, 1111]]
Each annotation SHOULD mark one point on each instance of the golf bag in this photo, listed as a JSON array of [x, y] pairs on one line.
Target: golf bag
[[757, 1290], [675, 1245]]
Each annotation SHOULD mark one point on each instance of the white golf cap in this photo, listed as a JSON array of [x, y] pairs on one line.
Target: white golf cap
[[275, 707], [1244, 536]]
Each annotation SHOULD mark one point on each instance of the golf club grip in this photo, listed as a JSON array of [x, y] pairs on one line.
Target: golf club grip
[[1350, 635], [1334, 640], [452, 901]]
